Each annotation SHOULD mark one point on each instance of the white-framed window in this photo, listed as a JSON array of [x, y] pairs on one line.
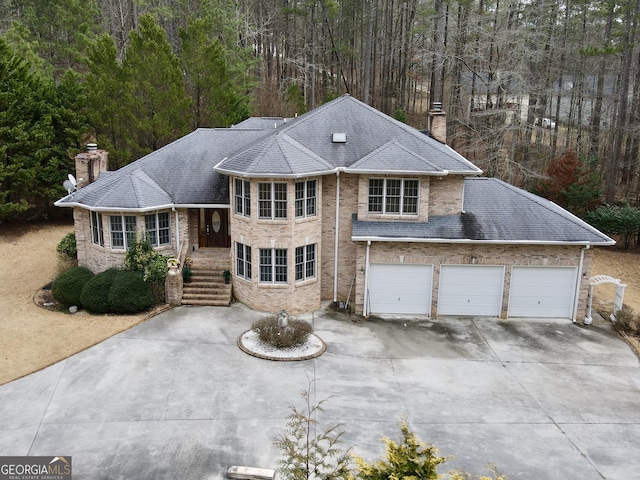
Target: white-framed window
[[273, 265], [272, 200], [305, 262], [123, 231], [393, 196], [306, 198], [242, 193], [158, 228], [97, 230], [243, 261]]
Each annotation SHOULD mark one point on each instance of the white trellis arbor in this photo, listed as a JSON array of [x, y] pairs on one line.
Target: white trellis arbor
[[617, 301]]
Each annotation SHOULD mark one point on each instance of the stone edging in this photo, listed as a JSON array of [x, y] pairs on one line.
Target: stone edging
[[263, 356]]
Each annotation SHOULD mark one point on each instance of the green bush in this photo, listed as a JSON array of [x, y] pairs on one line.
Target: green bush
[[94, 296], [293, 335], [622, 221], [116, 291], [129, 293], [141, 257], [67, 246], [67, 288]]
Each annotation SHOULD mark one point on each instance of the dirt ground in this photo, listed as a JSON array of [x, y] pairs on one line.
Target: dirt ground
[[34, 337]]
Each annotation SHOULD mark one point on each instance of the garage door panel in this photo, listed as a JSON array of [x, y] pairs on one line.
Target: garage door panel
[[400, 289], [470, 290], [546, 292]]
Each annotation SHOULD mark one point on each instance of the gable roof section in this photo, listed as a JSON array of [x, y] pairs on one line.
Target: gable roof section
[[393, 157], [367, 130], [495, 212], [178, 174]]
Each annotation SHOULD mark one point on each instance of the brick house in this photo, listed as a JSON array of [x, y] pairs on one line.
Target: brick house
[[345, 204]]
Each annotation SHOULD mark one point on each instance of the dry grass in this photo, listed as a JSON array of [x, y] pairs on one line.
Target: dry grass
[[617, 263], [34, 337]]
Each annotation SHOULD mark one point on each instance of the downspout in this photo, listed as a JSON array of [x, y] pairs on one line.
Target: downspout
[[578, 283], [335, 247], [366, 280], [177, 231]]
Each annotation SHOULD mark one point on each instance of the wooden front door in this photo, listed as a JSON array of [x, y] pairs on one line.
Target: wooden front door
[[214, 227]]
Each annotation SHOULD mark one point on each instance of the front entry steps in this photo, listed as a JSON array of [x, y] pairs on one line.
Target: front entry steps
[[207, 285]]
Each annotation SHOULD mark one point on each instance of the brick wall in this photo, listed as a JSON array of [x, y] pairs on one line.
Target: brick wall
[[349, 200], [89, 165], [446, 195], [99, 258], [438, 196], [295, 297]]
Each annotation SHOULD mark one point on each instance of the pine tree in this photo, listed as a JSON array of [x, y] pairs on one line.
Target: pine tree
[[107, 98], [216, 100], [39, 123], [157, 104]]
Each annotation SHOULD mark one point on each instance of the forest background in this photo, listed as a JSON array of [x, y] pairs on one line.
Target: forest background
[[544, 94]]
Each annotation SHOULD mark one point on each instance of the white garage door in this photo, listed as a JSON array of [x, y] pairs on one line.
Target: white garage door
[[470, 290], [546, 292], [400, 289]]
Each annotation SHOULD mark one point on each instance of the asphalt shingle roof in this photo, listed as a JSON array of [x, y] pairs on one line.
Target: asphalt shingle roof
[[192, 172], [279, 156], [494, 212], [367, 130], [180, 173]]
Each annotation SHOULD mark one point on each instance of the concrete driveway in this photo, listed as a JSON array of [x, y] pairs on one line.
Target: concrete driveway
[[175, 398]]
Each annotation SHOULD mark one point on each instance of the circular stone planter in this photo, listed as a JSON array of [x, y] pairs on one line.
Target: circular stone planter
[[251, 344]]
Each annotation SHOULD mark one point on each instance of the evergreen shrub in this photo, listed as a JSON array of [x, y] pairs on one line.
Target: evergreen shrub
[[67, 288], [129, 293], [94, 296], [67, 246], [116, 291]]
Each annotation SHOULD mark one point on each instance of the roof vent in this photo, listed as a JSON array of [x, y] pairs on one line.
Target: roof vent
[[92, 147], [339, 138]]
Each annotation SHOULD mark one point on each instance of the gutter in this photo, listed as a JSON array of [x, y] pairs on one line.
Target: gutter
[[140, 210], [471, 241], [355, 171]]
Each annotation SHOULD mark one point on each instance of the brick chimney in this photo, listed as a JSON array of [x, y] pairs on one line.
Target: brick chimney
[[438, 122], [89, 164]]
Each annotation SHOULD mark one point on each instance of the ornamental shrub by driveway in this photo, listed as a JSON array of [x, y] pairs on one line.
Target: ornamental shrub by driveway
[[67, 288], [116, 291], [129, 293], [94, 296]]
